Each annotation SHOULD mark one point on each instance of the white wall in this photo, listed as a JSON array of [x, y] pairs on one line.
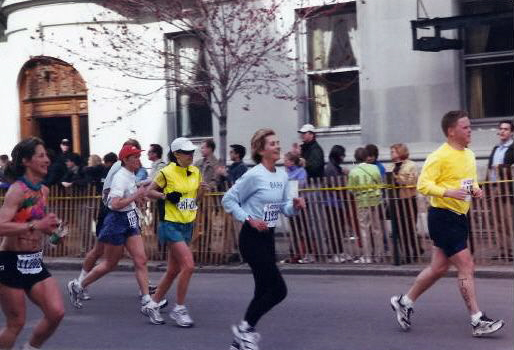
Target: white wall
[[63, 25], [404, 93]]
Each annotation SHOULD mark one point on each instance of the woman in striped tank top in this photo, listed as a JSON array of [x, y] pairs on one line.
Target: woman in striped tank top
[[24, 224]]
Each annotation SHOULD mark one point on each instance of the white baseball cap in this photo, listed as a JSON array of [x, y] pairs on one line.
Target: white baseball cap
[[307, 128], [182, 144]]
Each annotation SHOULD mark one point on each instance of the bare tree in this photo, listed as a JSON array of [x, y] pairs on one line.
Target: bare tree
[[221, 48]]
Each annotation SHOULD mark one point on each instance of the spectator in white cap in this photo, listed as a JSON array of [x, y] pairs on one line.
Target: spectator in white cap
[[311, 151], [179, 184]]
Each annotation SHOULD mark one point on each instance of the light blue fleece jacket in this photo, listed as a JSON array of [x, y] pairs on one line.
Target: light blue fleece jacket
[[255, 189]]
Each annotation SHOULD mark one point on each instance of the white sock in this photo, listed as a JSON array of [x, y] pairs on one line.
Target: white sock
[[476, 317], [407, 301], [152, 304], [27, 346], [178, 307], [244, 325], [79, 283], [83, 274], [145, 299]]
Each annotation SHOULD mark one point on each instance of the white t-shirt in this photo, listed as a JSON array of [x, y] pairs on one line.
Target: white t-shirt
[[123, 185]]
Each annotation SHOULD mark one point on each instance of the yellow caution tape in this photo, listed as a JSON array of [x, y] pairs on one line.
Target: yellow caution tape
[[337, 188]]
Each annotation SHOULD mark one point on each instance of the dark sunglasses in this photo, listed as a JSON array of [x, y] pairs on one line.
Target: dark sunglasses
[[189, 153]]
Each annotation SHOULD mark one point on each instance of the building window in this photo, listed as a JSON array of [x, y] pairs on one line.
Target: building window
[[333, 66], [191, 85], [489, 62]]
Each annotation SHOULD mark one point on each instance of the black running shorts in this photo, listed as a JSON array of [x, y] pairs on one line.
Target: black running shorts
[[448, 230], [22, 270]]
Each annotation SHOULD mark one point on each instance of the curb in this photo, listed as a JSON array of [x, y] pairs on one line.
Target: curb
[[498, 271]]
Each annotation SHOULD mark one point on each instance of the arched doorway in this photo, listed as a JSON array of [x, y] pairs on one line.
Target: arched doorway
[[53, 104]]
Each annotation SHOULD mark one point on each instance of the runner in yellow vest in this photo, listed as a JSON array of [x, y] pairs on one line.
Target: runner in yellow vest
[[181, 184]]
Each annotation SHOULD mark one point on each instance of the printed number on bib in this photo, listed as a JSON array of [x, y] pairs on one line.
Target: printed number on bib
[[271, 212], [187, 204], [467, 184], [30, 264], [132, 219]]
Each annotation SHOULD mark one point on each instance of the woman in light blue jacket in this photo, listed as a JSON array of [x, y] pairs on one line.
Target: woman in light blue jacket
[[257, 199]]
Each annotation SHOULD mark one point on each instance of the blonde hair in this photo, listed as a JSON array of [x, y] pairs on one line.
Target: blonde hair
[[94, 160], [258, 143], [401, 149]]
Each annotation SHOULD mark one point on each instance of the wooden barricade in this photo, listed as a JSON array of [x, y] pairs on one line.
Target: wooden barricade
[[327, 231]]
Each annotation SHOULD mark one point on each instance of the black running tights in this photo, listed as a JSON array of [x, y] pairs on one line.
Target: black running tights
[[258, 250]]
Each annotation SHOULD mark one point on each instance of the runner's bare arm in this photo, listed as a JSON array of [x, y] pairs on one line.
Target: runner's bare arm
[[118, 203], [154, 192], [13, 199]]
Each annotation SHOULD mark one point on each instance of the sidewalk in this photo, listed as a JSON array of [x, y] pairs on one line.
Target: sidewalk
[[493, 271]]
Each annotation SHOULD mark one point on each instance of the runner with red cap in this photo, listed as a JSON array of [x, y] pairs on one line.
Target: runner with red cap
[[120, 228]]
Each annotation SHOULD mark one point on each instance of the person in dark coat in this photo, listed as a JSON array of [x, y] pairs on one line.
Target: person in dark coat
[[235, 170], [312, 152]]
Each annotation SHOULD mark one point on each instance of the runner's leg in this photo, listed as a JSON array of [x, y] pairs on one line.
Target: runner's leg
[[46, 294], [13, 305]]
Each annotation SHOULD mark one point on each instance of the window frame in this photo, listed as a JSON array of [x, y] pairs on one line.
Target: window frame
[[491, 58], [173, 92], [305, 79]]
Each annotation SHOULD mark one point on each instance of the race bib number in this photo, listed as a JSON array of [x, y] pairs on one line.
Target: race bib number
[[132, 219], [30, 264], [187, 204], [271, 212], [467, 184]]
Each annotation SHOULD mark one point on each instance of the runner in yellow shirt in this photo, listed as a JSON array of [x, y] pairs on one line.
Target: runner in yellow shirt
[[449, 177], [181, 184]]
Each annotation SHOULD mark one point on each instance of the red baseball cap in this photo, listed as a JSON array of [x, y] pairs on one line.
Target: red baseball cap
[[128, 150]]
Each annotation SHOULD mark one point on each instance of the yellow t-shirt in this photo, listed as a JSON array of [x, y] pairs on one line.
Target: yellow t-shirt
[[173, 178], [448, 168]]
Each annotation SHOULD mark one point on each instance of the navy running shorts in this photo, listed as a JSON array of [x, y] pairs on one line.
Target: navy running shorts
[[102, 213], [448, 230], [175, 232], [118, 226], [22, 270]]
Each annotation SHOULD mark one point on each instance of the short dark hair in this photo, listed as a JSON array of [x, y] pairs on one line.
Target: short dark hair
[[337, 153], [110, 157], [74, 157], [210, 143], [361, 154], [171, 157], [372, 150], [239, 149], [157, 149], [4, 157], [507, 121], [450, 119], [24, 149]]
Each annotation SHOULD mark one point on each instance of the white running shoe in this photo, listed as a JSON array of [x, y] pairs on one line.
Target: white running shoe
[[234, 345], [153, 314], [403, 312], [85, 294], [162, 304], [181, 317], [244, 339], [75, 292], [486, 326]]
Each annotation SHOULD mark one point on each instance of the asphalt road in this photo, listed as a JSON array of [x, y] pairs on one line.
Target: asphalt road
[[320, 312]]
